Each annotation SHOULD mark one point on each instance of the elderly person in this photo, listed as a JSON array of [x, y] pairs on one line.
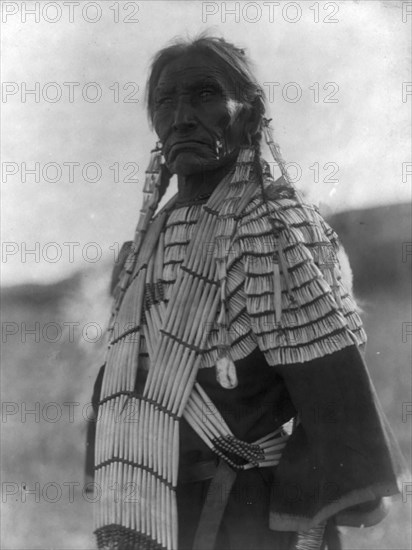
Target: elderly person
[[235, 409]]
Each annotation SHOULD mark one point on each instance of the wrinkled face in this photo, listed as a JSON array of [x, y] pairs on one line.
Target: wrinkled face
[[195, 109]]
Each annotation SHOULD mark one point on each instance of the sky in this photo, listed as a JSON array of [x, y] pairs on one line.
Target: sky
[[74, 151]]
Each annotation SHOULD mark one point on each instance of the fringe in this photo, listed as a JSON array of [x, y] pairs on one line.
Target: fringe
[[311, 539]]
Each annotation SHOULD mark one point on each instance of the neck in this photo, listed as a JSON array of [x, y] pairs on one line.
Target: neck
[[203, 183]]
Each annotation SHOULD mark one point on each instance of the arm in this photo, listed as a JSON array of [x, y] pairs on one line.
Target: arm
[[342, 453]]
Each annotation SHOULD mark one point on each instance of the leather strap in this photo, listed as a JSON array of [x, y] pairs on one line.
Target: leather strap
[[200, 471], [214, 507]]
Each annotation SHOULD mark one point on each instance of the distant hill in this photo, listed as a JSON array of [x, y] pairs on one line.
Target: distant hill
[[377, 241]]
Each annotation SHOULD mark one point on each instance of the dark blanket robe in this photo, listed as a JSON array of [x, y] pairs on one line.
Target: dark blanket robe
[[342, 454]]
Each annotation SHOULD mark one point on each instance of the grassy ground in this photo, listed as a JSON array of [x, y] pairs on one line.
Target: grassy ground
[[48, 450]]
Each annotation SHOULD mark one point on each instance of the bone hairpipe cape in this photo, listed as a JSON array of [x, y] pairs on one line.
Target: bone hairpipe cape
[[260, 269]]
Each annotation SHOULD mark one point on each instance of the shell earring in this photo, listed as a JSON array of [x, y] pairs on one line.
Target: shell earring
[[218, 148]]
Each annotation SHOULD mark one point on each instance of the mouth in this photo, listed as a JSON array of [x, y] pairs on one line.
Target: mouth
[[188, 145]]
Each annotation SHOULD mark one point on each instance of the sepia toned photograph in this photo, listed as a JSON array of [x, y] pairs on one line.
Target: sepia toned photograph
[[206, 282]]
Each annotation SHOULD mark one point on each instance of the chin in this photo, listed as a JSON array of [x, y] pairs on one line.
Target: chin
[[186, 164]]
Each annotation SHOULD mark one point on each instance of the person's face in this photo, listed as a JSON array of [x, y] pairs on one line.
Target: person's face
[[194, 107]]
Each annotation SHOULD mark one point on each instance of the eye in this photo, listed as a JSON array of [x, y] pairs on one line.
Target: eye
[[163, 100], [164, 94], [205, 93]]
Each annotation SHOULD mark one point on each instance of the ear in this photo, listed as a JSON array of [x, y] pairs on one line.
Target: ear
[[244, 127], [254, 118]]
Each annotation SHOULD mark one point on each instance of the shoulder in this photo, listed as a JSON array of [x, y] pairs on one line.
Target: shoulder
[[295, 292], [277, 212]]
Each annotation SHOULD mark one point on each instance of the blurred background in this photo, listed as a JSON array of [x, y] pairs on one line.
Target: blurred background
[[337, 76]]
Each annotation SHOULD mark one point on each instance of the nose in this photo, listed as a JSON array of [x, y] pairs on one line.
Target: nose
[[185, 120]]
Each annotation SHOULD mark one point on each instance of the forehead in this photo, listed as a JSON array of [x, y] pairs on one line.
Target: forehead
[[192, 68]]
